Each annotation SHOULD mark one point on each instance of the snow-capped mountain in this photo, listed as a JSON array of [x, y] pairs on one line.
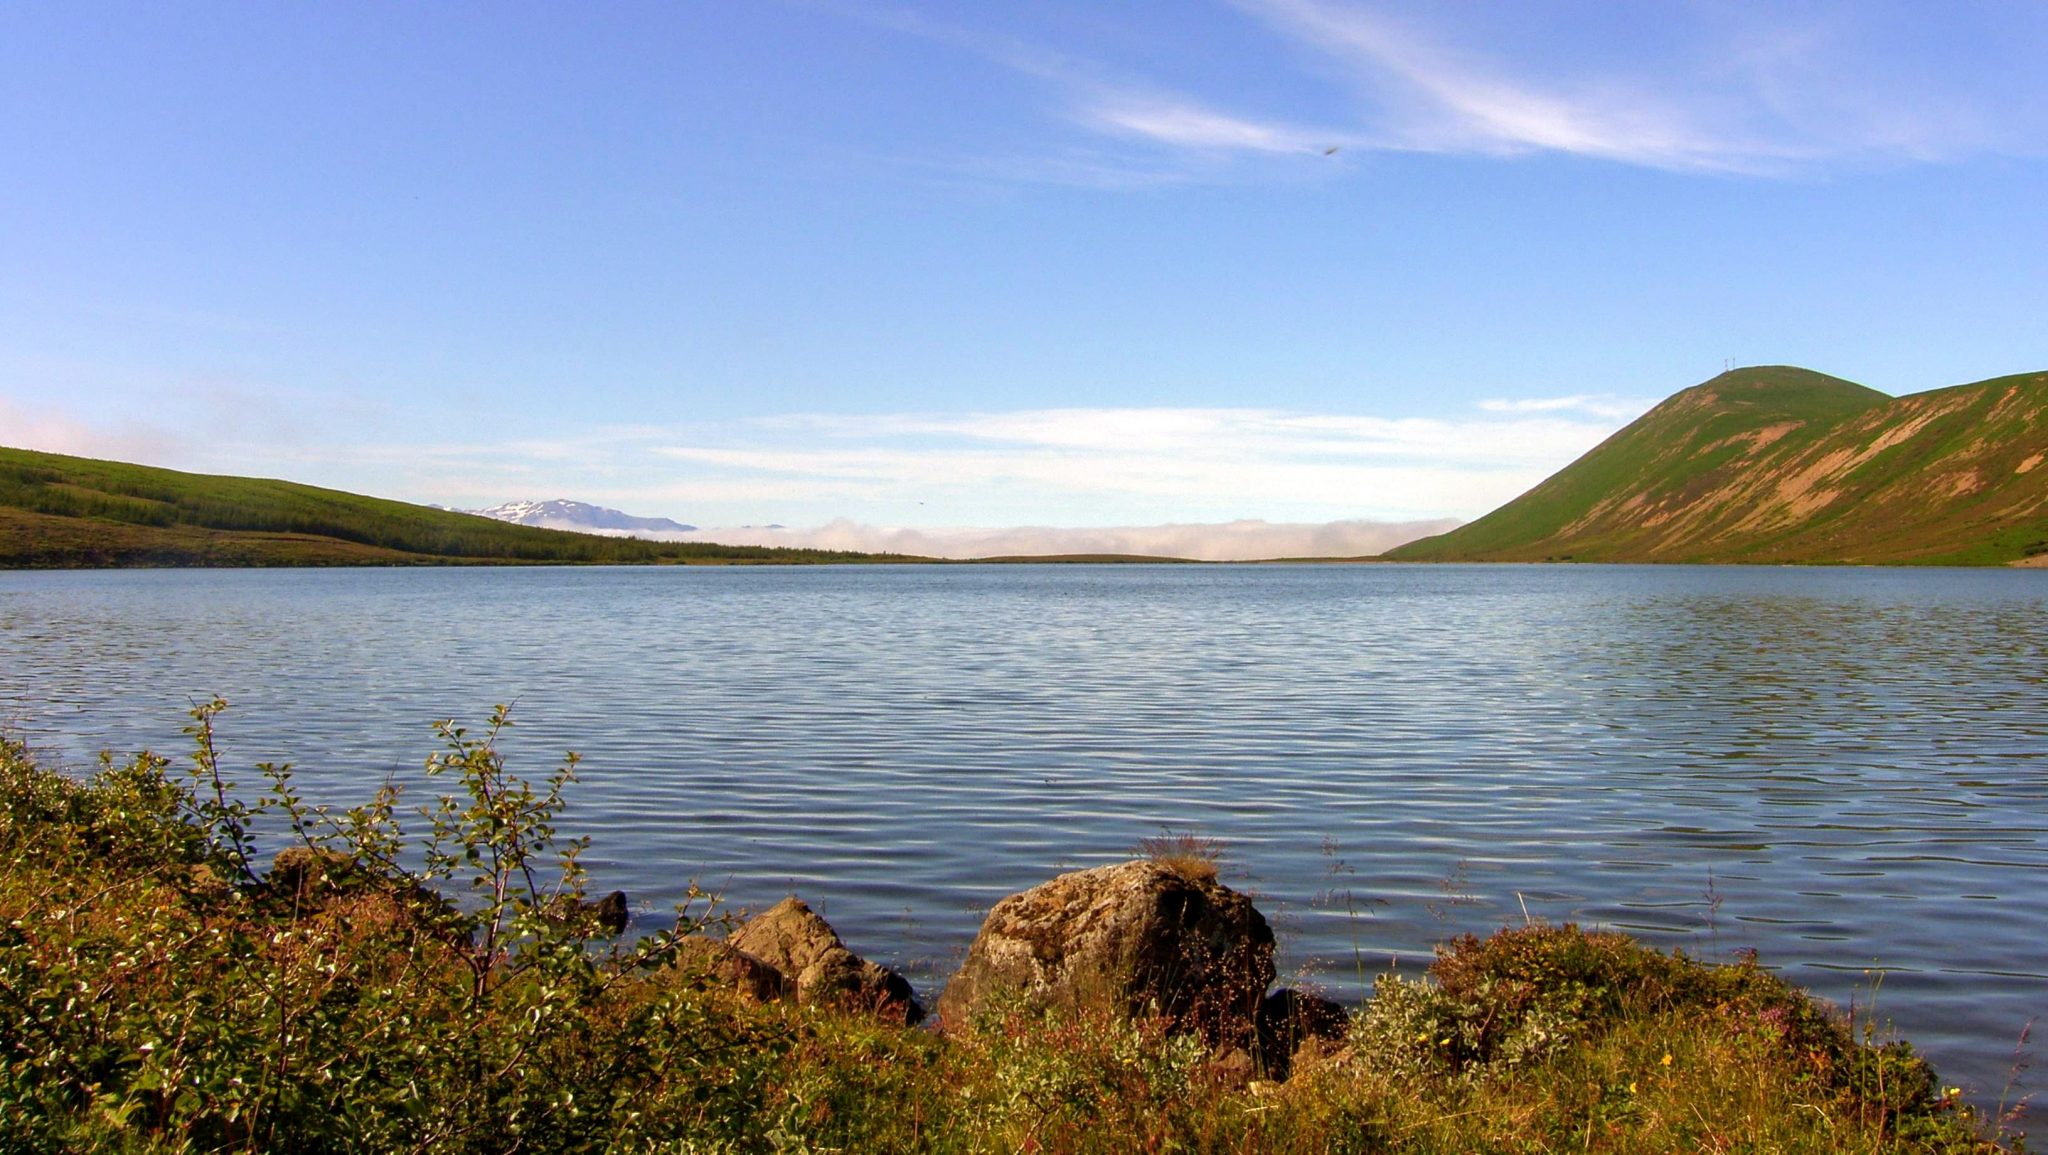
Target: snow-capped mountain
[[578, 516]]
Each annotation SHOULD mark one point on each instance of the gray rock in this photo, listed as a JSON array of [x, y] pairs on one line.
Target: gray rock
[[1135, 938]]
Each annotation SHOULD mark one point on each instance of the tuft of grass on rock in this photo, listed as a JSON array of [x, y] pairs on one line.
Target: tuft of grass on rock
[[1193, 856]]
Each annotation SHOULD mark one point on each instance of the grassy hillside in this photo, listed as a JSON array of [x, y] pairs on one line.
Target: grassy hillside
[[58, 511], [1777, 464]]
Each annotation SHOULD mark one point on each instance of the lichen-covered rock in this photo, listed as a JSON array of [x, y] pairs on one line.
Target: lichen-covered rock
[[703, 959], [1134, 938], [1288, 1019], [609, 915], [305, 877], [311, 882], [611, 912], [790, 937]]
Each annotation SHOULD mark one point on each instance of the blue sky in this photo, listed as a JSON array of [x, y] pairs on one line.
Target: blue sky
[[989, 265]]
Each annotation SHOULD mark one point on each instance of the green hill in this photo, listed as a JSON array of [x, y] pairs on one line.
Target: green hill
[[60, 512], [1775, 464]]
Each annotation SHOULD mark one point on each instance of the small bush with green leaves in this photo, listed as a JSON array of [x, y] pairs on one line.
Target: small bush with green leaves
[[408, 979], [165, 986], [1528, 994]]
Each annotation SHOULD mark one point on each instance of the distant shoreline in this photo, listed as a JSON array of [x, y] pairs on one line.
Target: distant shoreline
[[2033, 563]]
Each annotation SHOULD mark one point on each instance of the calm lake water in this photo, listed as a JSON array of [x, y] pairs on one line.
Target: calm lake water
[[1844, 768]]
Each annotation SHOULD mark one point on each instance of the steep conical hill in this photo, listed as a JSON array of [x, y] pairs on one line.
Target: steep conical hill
[[1778, 464]]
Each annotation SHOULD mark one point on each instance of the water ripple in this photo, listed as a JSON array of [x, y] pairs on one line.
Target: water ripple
[[1847, 769]]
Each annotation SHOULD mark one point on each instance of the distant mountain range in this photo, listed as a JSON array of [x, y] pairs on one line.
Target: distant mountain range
[[577, 516], [1776, 464]]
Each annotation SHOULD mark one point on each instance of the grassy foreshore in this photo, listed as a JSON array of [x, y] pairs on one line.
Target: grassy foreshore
[[165, 988]]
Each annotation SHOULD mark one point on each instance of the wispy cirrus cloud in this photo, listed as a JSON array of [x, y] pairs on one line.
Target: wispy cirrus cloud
[[1738, 90], [1689, 89], [1181, 137], [1434, 95], [1181, 123]]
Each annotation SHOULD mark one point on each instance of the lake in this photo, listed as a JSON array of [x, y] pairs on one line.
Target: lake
[[1846, 769]]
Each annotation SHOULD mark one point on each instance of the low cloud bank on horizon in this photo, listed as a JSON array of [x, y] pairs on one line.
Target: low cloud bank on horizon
[[1245, 540], [1205, 483]]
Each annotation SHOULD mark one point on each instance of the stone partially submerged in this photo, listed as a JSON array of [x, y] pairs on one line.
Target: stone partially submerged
[[608, 916], [794, 940], [1136, 938]]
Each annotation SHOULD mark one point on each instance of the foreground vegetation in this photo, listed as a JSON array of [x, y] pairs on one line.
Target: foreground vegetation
[[376, 989], [1775, 464], [66, 512]]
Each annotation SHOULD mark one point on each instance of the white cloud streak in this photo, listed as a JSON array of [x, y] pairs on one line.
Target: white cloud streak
[[1728, 90], [1220, 464], [1606, 406], [1439, 99], [1057, 466], [1181, 123], [1274, 476]]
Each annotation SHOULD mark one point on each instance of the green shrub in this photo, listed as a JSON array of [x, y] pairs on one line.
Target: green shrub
[[167, 989], [376, 990], [1527, 995]]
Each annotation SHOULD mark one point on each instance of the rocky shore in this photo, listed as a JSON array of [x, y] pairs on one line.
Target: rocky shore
[[1133, 940], [162, 989]]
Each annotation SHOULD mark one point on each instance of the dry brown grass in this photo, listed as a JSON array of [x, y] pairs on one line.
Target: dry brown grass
[[1192, 856]]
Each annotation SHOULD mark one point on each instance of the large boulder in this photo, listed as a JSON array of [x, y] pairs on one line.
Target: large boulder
[[1136, 938], [790, 937]]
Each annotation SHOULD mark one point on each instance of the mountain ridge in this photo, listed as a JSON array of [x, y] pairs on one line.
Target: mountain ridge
[[1778, 464], [576, 516]]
